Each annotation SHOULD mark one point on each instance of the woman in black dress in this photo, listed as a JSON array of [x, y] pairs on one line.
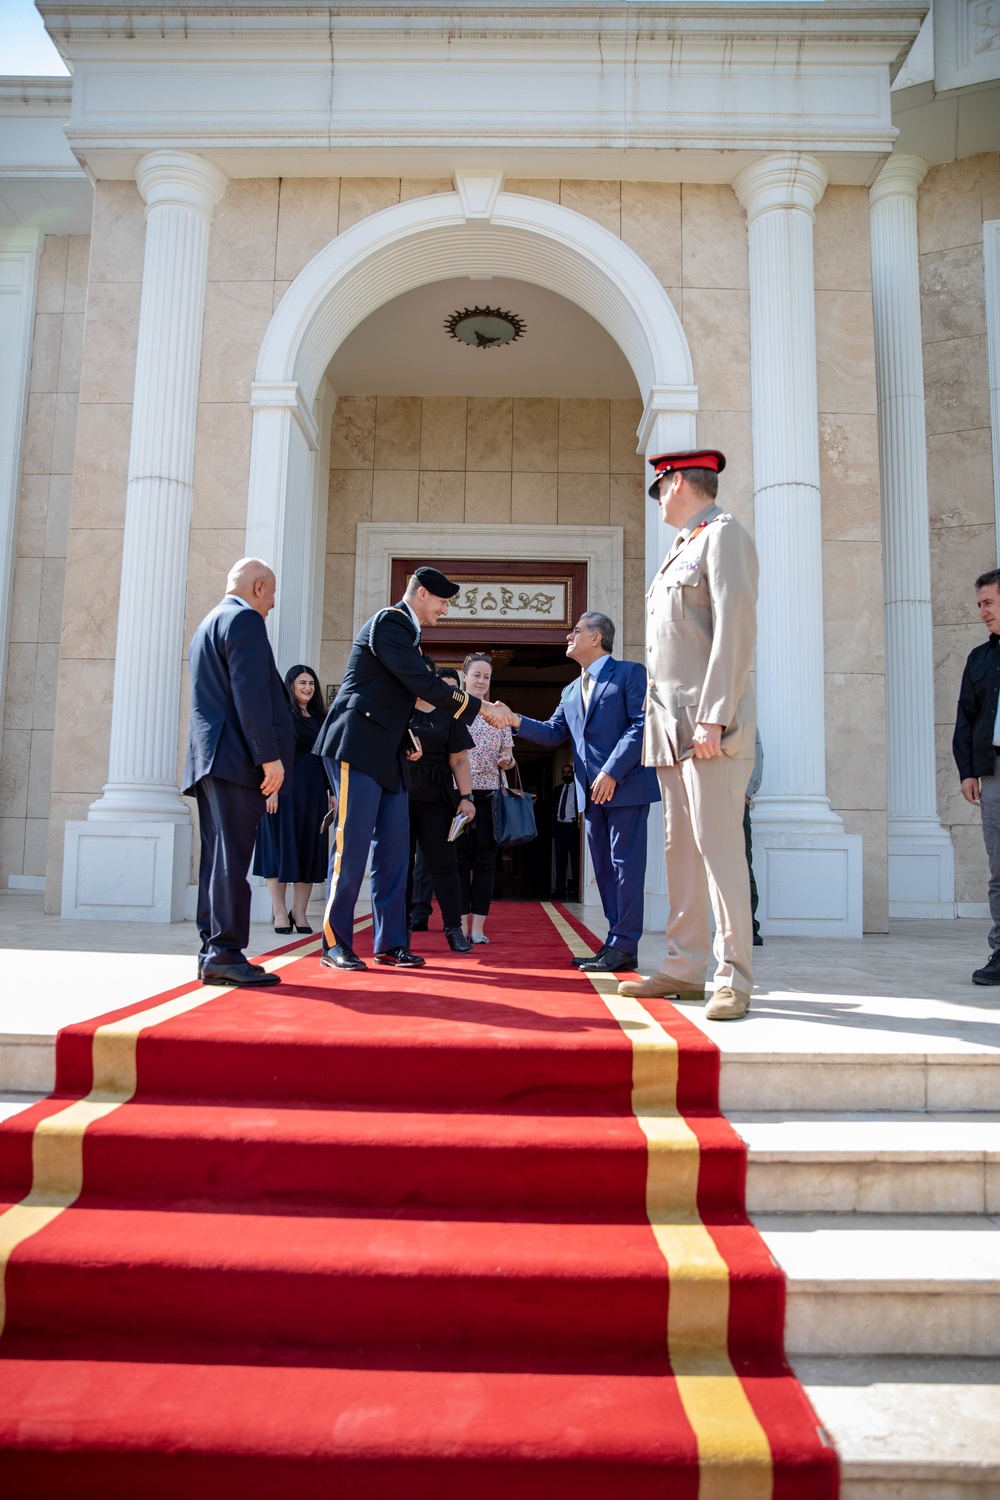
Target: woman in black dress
[[434, 801], [291, 850]]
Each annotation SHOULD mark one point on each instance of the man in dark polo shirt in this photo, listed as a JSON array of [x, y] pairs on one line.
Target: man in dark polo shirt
[[976, 744]]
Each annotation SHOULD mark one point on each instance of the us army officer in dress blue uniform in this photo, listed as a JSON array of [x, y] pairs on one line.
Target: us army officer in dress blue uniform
[[601, 713], [364, 743]]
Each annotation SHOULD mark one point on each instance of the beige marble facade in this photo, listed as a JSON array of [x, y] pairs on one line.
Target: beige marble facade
[[29, 715], [522, 460], [954, 202]]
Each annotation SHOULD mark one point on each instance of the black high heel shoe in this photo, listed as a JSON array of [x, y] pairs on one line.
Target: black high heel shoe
[[281, 931], [295, 926]]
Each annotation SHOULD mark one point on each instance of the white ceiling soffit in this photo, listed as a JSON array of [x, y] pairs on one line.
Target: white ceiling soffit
[[403, 348]]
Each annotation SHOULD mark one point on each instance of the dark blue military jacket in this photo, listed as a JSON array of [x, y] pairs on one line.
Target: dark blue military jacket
[[386, 674]]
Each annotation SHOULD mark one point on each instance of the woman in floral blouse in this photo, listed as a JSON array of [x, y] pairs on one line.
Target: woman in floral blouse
[[493, 751]]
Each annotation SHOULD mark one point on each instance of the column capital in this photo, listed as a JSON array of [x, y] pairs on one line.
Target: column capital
[[788, 179], [181, 179], [899, 178]]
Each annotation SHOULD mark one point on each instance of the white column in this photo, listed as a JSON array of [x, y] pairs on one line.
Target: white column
[[129, 859], [808, 870], [20, 250], [921, 857]]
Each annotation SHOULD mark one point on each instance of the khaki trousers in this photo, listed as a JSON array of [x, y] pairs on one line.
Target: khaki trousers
[[703, 802]]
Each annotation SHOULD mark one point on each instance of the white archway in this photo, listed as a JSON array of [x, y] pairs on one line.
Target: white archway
[[477, 230]]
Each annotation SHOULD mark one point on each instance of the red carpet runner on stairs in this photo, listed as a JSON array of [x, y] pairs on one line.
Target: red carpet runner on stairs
[[473, 1231]]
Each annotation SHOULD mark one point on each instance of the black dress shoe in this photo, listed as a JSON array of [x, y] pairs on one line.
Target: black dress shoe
[[457, 940], [244, 975], [342, 957], [588, 958], [611, 961], [758, 941], [401, 957], [420, 925], [990, 972]]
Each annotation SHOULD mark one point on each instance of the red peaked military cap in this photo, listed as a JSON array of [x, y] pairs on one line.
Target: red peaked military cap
[[695, 458]]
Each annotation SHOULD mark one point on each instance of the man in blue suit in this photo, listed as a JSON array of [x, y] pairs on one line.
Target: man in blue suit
[[602, 715], [240, 742]]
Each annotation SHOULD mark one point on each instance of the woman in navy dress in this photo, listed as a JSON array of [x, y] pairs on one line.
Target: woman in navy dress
[[291, 849]]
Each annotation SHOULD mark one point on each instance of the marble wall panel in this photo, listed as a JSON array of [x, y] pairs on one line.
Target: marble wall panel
[[15, 759], [441, 496], [101, 473], [584, 499], [989, 182], [11, 848], [308, 219], [352, 444], [350, 502], [584, 436], [534, 499], [873, 828], [624, 419], [32, 516], [118, 232], [71, 353], [236, 317], [396, 495], [222, 465], [39, 774], [849, 476], [842, 240], [960, 478], [90, 605], [952, 293], [43, 702], [50, 295], [45, 352], [26, 600], [600, 201], [535, 434], [423, 187], [338, 596], [631, 627], [77, 273], [38, 432], [949, 207], [19, 693], [628, 501], [397, 433], [362, 196], [50, 607], [534, 187], [852, 607], [111, 332], [958, 555], [953, 809], [443, 423], [715, 238], [83, 738], [57, 515], [36, 835], [855, 755], [730, 432], [952, 644], [487, 497], [651, 226], [242, 243], [490, 433], [717, 324], [211, 553], [64, 432], [845, 352]]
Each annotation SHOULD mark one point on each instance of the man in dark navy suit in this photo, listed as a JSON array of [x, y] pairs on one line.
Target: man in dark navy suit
[[602, 715], [365, 745], [240, 741]]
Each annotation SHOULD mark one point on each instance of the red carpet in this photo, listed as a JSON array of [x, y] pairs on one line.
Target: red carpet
[[470, 1231]]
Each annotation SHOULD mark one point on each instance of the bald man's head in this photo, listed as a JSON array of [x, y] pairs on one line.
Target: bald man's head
[[253, 580]]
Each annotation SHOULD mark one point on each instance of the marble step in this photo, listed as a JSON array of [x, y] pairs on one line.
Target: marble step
[[888, 1284], [884, 1162], [910, 1429]]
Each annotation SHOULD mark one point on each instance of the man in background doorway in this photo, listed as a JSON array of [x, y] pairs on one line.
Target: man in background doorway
[[566, 836], [602, 716]]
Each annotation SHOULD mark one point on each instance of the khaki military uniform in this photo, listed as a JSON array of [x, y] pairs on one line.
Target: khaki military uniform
[[700, 634]]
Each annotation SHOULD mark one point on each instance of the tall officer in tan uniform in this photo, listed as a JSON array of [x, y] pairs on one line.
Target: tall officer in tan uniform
[[700, 721]]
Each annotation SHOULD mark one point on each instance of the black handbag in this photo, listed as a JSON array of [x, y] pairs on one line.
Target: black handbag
[[513, 813]]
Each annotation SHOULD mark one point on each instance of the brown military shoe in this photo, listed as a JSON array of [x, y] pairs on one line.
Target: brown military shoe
[[660, 987], [727, 1005]]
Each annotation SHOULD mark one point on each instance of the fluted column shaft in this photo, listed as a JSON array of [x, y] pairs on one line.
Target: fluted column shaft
[[906, 559], [780, 194], [181, 191]]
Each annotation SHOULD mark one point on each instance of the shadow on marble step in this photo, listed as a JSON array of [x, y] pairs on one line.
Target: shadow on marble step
[[910, 1429]]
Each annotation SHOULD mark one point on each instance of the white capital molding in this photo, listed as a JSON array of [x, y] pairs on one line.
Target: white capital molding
[[991, 266], [900, 177], [479, 192], [664, 400], [783, 181], [180, 179], [286, 395]]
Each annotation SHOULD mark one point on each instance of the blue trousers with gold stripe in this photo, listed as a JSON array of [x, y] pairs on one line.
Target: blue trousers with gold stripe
[[368, 817]]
